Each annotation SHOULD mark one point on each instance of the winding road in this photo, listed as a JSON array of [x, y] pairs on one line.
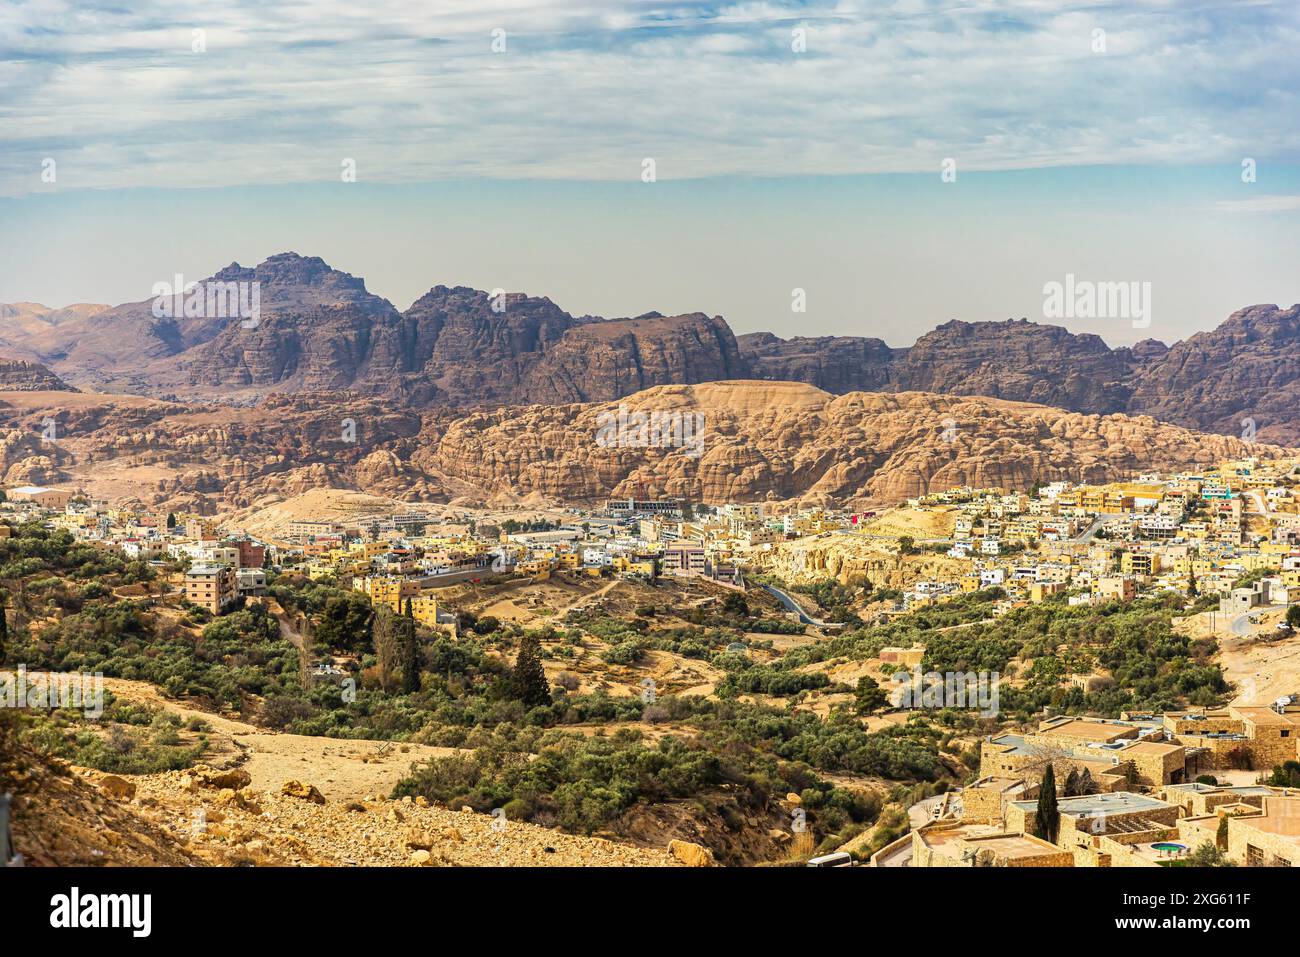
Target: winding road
[[795, 607]]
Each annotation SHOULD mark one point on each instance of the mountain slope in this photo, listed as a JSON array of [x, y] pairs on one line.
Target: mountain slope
[[789, 440], [834, 363], [760, 440], [1246, 369]]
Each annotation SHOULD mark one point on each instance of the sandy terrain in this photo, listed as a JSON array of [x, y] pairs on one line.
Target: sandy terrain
[[320, 504], [1263, 671], [342, 769], [918, 523]]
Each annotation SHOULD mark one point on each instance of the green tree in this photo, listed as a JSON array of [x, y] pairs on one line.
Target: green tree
[[345, 622], [388, 635], [906, 545], [1071, 783], [1207, 855], [1221, 835], [4, 625], [410, 652], [1048, 817], [869, 696], [1293, 616], [171, 519], [1286, 775], [735, 604], [528, 680], [1086, 784]]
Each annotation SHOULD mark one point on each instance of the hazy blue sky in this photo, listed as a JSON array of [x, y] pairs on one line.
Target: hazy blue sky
[[797, 144]]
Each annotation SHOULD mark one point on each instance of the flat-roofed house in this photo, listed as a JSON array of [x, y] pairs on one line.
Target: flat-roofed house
[[211, 587]]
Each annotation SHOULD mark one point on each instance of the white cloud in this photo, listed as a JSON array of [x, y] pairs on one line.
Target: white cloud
[[588, 87], [1280, 203]]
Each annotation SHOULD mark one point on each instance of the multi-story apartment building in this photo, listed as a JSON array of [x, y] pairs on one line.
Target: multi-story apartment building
[[211, 586]]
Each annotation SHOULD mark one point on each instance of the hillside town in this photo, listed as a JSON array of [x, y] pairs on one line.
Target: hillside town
[[1143, 789], [1195, 533]]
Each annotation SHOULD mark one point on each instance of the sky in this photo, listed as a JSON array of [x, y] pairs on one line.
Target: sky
[[900, 163]]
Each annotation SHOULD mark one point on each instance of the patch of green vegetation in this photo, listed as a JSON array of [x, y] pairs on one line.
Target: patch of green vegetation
[[128, 738]]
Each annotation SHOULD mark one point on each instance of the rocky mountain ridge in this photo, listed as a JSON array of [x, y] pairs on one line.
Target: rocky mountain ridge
[[320, 329]]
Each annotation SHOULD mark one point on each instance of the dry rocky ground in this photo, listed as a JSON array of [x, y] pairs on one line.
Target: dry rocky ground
[[209, 817]]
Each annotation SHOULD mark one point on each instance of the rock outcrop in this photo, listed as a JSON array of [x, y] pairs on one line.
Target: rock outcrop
[[788, 440], [1017, 360], [836, 364], [19, 375]]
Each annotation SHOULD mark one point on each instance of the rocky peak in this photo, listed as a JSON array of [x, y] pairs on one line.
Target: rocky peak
[[1018, 360], [19, 375], [1246, 369]]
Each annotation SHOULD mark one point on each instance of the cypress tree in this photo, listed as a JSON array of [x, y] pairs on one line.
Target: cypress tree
[[1086, 784], [388, 645], [4, 625], [529, 678], [1071, 783], [410, 652], [1048, 817]]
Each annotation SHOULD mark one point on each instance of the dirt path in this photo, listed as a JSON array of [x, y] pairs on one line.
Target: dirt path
[[1262, 671], [598, 593], [287, 631]]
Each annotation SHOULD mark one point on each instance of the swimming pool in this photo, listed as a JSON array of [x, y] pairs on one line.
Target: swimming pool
[[1170, 847]]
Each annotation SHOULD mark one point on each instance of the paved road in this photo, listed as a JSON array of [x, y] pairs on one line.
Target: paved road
[[1261, 507], [794, 606], [1089, 533], [1241, 625]]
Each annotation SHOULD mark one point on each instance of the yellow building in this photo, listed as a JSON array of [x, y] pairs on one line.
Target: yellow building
[[424, 608], [388, 591], [317, 570], [1039, 591]]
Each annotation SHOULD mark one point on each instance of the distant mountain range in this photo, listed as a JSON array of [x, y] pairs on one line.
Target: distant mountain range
[[320, 329]]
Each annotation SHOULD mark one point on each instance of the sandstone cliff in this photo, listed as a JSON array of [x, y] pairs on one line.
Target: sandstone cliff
[[1016, 360], [833, 363], [758, 440], [788, 440]]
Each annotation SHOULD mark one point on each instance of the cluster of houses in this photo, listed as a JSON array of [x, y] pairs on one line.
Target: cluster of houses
[[401, 559], [1158, 787], [1196, 533]]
